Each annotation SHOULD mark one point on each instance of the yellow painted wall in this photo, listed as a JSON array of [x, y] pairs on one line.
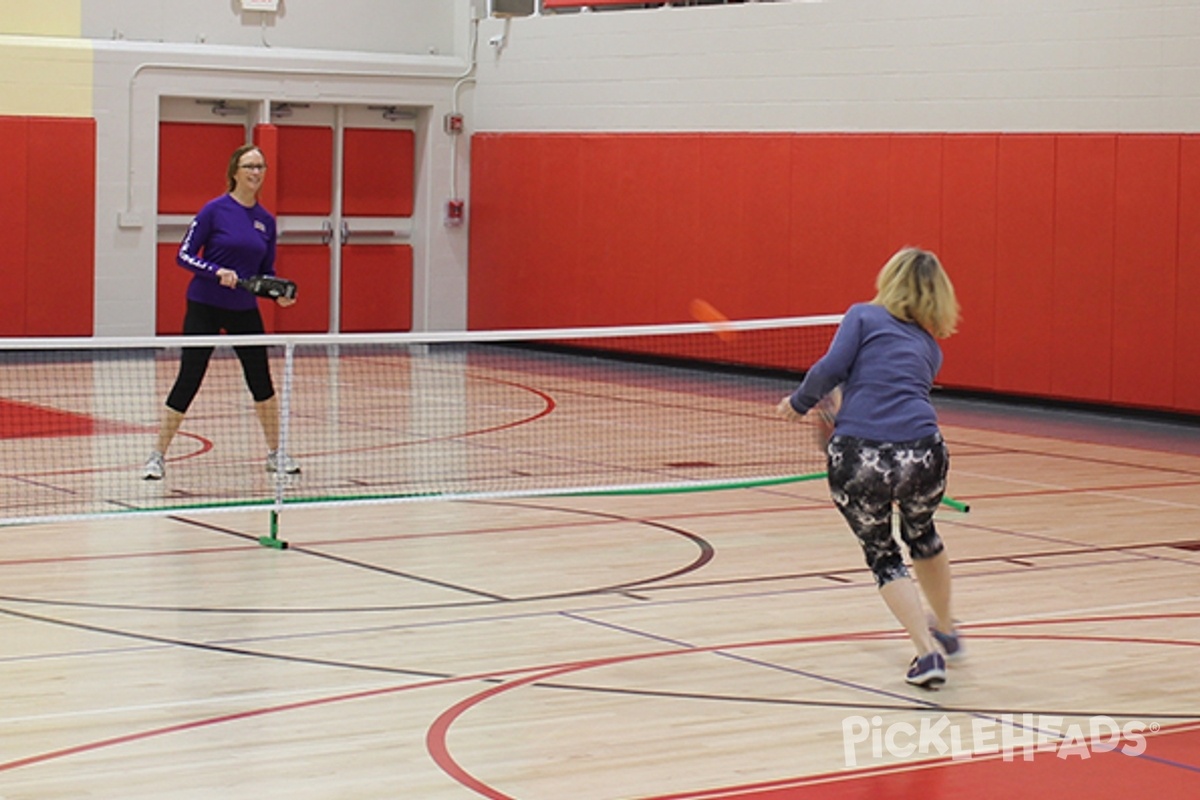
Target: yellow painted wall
[[41, 17], [45, 77], [45, 67]]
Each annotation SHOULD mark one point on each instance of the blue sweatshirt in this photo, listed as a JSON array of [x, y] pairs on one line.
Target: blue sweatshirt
[[886, 369], [226, 234]]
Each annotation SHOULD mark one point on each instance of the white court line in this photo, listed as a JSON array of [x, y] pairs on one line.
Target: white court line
[[1088, 611], [1075, 490]]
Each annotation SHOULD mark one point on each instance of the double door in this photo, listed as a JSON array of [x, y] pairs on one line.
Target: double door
[[341, 185]]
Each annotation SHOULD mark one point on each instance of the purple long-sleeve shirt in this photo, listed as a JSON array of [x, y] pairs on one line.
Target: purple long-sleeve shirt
[[226, 234], [886, 368]]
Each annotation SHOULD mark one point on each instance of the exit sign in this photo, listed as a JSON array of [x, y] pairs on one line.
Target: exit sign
[[260, 5]]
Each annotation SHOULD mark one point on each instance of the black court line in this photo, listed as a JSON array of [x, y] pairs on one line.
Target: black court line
[[215, 648], [705, 553]]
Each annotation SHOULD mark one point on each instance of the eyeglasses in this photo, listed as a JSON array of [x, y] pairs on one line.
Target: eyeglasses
[[253, 167]]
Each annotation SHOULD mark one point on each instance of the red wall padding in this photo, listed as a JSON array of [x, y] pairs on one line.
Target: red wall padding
[[968, 236], [834, 256], [49, 210], [378, 172], [915, 190], [14, 201], [1076, 256], [1187, 285], [746, 220], [1079, 331], [1146, 237], [376, 288], [1024, 255], [562, 237], [192, 159]]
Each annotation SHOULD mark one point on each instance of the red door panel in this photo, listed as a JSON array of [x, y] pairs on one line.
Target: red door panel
[[304, 175], [192, 160], [376, 288], [308, 266], [378, 172], [171, 291]]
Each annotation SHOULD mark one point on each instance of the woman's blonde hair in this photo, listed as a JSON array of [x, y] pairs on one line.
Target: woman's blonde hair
[[913, 286]]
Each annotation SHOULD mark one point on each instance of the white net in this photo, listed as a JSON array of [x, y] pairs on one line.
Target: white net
[[393, 417]]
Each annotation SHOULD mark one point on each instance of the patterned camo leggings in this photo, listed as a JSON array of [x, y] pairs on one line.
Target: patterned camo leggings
[[869, 479]]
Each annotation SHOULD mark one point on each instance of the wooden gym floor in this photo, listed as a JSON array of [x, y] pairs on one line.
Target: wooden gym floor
[[727, 644]]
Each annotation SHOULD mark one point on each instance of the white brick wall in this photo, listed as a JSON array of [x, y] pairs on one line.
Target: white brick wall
[[849, 65]]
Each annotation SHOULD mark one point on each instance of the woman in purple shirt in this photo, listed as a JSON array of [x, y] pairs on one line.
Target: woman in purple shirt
[[886, 451], [231, 238]]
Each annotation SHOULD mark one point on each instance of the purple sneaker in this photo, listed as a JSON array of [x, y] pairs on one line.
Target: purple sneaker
[[950, 643], [927, 671]]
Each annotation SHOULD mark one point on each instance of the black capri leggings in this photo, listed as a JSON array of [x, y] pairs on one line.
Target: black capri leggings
[[868, 479], [202, 319]]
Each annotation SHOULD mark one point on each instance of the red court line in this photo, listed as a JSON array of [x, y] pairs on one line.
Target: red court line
[[548, 407], [1099, 775], [540, 674], [436, 736], [439, 750], [205, 446], [23, 420], [153, 733]]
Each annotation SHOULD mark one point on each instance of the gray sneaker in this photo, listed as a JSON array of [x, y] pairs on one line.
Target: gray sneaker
[[154, 468], [285, 464]]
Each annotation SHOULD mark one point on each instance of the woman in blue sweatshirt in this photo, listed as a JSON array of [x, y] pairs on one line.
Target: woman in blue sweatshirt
[[231, 238], [886, 452]]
